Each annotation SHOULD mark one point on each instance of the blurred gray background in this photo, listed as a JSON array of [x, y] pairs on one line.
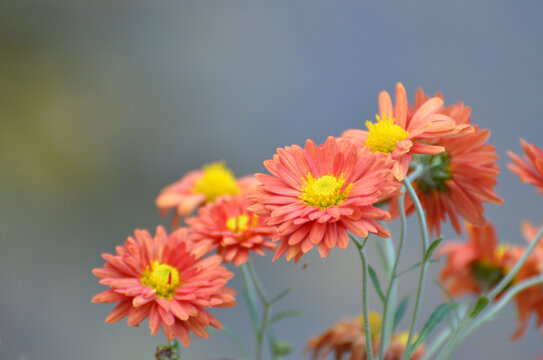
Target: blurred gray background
[[103, 103]]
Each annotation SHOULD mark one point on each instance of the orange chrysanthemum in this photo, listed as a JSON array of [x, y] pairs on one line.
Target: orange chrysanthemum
[[456, 182], [318, 193], [198, 187], [475, 266], [161, 279], [228, 225], [401, 131], [459, 180], [529, 168], [346, 340]]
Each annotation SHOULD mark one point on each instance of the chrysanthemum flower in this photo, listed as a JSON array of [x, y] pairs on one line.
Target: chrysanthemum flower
[[198, 187], [474, 266], [346, 340], [228, 225], [456, 182], [159, 278], [529, 168], [318, 193], [400, 131]]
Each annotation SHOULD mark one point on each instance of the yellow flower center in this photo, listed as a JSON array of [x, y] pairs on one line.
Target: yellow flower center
[[384, 134], [238, 224], [324, 191], [163, 278], [375, 323], [217, 180]]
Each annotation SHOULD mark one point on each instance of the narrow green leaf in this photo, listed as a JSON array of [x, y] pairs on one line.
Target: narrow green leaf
[[281, 349], [400, 311], [439, 314], [481, 303], [376, 284], [284, 314], [280, 296], [431, 248], [413, 267]]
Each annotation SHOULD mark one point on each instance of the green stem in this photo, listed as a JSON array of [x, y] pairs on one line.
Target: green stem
[[447, 353], [454, 342], [388, 320], [424, 266], [250, 297], [265, 311], [258, 286], [419, 170], [365, 297], [511, 274], [439, 340]]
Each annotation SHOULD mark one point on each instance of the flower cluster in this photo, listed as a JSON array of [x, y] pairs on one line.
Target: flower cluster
[[324, 196], [172, 279]]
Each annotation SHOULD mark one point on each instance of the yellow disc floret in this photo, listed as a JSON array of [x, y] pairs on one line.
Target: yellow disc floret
[[217, 180], [162, 278], [383, 135], [324, 191], [238, 224]]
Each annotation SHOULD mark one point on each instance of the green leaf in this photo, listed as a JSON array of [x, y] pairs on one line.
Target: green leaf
[[444, 289], [431, 248], [413, 267], [282, 348], [376, 284], [481, 303], [284, 314], [439, 314], [280, 296], [400, 311]]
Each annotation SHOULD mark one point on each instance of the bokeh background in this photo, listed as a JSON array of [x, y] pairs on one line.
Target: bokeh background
[[103, 103]]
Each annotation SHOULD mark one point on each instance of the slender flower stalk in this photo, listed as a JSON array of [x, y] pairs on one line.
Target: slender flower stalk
[[439, 340], [250, 296], [423, 268], [489, 315], [252, 283], [388, 310], [500, 305], [365, 297], [265, 311], [511, 274], [455, 341]]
